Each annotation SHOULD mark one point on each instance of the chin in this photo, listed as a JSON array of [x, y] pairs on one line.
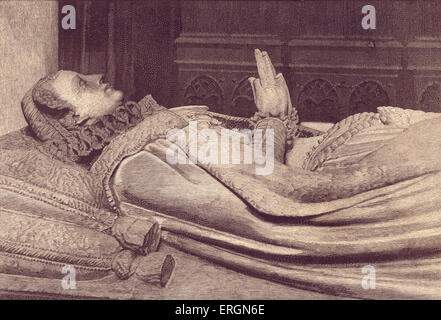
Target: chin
[[108, 106]]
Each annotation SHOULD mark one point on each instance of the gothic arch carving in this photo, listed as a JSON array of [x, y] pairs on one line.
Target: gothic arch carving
[[431, 98], [205, 90], [366, 97], [318, 101], [242, 100]]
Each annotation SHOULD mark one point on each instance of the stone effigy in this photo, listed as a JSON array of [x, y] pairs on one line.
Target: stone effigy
[[348, 201]]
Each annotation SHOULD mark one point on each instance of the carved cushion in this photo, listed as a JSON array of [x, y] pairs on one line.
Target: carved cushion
[[29, 177], [51, 214], [35, 246]]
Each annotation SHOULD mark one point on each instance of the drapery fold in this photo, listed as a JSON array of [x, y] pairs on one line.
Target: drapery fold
[[392, 228]]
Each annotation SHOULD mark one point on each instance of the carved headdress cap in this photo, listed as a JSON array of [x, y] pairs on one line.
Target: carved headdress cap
[[53, 120], [43, 110]]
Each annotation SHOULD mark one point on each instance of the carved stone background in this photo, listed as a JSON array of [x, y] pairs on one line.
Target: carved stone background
[[242, 101], [431, 98], [367, 96], [318, 100], [204, 90], [333, 67]]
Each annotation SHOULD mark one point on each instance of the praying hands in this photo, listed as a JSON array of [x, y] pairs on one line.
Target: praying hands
[[271, 94]]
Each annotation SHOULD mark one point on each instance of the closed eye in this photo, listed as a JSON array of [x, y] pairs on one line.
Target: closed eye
[[82, 84]]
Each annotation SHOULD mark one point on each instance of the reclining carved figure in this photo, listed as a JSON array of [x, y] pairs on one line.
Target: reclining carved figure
[[344, 197]]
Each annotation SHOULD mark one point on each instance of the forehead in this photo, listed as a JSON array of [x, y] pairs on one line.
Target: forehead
[[64, 76], [63, 80]]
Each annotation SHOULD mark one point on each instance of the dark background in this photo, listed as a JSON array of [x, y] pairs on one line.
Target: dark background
[[201, 52]]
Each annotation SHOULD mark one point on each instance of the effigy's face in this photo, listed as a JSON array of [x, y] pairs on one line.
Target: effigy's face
[[88, 94]]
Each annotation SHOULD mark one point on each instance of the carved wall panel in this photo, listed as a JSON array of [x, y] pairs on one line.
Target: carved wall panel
[[431, 98], [318, 100], [205, 90], [227, 59], [321, 100], [222, 91], [242, 101], [367, 96], [333, 68]]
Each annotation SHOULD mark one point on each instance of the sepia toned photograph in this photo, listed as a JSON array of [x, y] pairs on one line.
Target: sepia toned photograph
[[220, 150]]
